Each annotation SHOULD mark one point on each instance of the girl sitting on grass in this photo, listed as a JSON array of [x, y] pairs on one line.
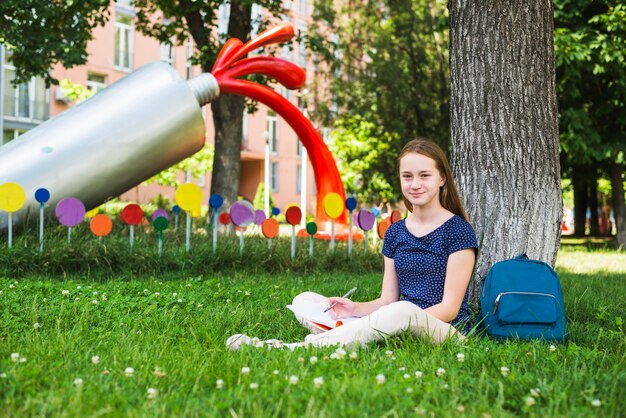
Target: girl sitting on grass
[[428, 262]]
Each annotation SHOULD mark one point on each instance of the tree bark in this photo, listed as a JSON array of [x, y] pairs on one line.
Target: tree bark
[[616, 171], [228, 119], [505, 138]]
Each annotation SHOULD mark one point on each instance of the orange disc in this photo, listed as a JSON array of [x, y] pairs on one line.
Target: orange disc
[[382, 227], [101, 225], [269, 227], [395, 216]]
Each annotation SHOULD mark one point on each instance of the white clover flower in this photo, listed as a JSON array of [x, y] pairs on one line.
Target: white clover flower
[[79, 287], [341, 353], [530, 401], [460, 357], [418, 374], [318, 382], [180, 300], [535, 392], [380, 379], [95, 359], [157, 294], [95, 302], [3, 375], [95, 293], [247, 293], [275, 372], [460, 408], [409, 390], [199, 305], [65, 292], [254, 386], [245, 370], [104, 297], [389, 353], [293, 380], [334, 356], [441, 371], [76, 299], [129, 371], [15, 357], [300, 359], [11, 286], [353, 355], [146, 291], [219, 383], [36, 325], [45, 299], [504, 371], [406, 376], [313, 360], [596, 403], [174, 294], [152, 393], [401, 369], [78, 381], [22, 359], [552, 348]]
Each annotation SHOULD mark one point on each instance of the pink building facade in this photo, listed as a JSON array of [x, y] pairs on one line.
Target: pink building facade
[[117, 49]]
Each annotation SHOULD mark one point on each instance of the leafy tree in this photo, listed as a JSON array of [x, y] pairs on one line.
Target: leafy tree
[[590, 43], [387, 68], [41, 33]]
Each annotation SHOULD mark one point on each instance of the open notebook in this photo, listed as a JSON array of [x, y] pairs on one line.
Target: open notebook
[[314, 313]]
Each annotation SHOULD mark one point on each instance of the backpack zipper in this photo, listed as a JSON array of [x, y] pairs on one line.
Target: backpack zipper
[[497, 301]]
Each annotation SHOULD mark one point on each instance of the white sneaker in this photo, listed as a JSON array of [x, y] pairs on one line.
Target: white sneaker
[[235, 341]]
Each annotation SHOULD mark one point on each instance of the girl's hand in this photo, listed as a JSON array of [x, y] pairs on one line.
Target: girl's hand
[[343, 308]]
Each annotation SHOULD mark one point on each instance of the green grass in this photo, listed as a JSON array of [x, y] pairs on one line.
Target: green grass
[[136, 327]]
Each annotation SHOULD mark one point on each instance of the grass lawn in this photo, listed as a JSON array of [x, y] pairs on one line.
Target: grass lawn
[[170, 329]]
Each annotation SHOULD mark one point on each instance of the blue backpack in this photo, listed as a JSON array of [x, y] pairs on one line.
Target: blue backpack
[[522, 298]]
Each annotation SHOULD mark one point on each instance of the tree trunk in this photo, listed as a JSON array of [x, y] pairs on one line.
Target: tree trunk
[[505, 136], [594, 224], [581, 196], [228, 119], [616, 172]]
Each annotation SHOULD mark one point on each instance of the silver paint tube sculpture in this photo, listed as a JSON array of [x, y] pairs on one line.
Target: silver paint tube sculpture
[[99, 149]]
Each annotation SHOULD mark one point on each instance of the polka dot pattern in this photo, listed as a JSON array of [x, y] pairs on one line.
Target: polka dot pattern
[[421, 262]]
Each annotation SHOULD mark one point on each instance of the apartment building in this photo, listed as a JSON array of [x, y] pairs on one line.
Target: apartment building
[[117, 49]]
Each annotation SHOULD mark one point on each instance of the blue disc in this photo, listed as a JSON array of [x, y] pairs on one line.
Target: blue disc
[[350, 204], [216, 201], [176, 209], [376, 212], [275, 211], [42, 195]]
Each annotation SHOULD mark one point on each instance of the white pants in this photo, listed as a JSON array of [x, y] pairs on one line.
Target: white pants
[[389, 320]]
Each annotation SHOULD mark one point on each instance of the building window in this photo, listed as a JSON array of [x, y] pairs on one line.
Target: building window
[[299, 179], [27, 101], [167, 53], [299, 147], [272, 131], [302, 46], [274, 177], [189, 58], [129, 4], [96, 82], [244, 131], [9, 135], [326, 134], [223, 14], [303, 7], [123, 41]]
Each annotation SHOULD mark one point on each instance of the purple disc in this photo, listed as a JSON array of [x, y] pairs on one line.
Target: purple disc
[[355, 218], [160, 212], [70, 212], [259, 217], [366, 219], [242, 213]]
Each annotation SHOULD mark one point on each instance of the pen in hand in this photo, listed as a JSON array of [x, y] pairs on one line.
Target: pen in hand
[[347, 295]]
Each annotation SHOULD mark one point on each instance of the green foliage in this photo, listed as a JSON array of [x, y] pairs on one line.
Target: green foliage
[[590, 48], [171, 329], [388, 70], [75, 92], [259, 197], [39, 34], [198, 165]]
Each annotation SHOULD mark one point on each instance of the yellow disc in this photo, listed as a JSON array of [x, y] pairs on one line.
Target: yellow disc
[[333, 205], [189, 197], [92, 213], [12, 197]]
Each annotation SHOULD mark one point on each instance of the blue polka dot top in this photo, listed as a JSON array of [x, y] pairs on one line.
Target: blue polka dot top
[[421, 262]]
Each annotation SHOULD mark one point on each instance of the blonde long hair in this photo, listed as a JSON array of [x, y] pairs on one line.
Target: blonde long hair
[[448, 193]]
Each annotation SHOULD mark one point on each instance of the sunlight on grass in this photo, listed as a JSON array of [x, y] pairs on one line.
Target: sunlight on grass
[[591, 262]]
